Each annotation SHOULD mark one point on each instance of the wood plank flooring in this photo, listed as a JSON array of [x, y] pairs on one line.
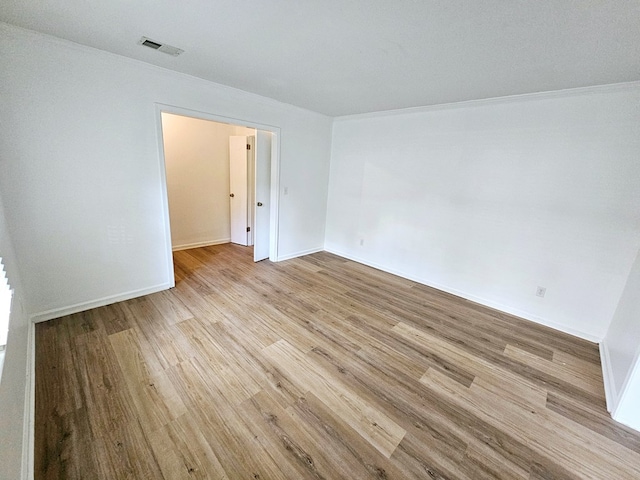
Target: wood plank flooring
[[316, 368]]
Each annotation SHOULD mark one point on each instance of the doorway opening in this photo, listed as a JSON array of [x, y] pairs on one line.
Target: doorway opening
[[220, 182]]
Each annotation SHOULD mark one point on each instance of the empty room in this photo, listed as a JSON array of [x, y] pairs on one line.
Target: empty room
[[323, 240]]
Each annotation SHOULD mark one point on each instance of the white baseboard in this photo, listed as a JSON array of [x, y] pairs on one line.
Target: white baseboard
[[101, 302], [28, 424], [187, 246], [483, 301], [299, 254], [610, 391]]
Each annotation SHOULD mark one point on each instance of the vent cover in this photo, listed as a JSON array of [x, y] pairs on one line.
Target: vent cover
[[161, 47]]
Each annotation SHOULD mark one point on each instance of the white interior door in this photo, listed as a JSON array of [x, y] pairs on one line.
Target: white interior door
[[251, 181], [238, 183], [262, 202]]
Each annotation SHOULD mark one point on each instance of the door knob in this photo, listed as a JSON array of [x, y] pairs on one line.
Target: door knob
[[259, 204], [232, 195]]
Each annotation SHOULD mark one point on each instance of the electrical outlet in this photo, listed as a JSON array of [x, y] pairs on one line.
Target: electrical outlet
[[286, 190], [361, 241], [540, 291]]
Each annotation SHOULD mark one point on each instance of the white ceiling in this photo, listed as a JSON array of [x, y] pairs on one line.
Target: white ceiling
[[342, 57]]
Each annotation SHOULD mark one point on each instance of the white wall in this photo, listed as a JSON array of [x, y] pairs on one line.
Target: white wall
[[491, 199], [15, 383], [197, 167], [81, 172], [240, 130], [621, 353]]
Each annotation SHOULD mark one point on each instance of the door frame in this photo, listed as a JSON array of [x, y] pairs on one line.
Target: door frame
[[275, 173]]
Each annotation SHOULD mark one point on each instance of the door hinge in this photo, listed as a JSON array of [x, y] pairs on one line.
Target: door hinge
[[248, 229], [248, 147]]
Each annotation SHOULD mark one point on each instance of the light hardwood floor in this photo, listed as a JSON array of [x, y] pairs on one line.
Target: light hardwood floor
[[316, 367]]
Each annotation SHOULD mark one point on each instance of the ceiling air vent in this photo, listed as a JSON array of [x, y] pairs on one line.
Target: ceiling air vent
[[161, 47]]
